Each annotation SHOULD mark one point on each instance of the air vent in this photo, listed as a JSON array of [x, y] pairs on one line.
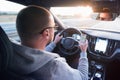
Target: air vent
[[92, 41], [111, 47]]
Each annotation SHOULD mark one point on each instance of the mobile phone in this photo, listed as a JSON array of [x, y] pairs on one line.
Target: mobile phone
[[83, 38]]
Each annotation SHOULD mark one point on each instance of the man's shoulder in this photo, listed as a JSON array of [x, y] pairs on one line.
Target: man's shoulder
[[58, 61], [36, 58], [33, 52], [50, 53]]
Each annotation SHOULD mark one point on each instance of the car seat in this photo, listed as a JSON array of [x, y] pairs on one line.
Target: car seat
[[5, 53]]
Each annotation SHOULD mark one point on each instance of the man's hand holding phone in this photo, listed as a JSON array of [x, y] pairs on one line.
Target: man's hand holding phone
[[83, 38], [83, 43]]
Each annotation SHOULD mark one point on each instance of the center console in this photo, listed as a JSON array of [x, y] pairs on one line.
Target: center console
[[100, 50], [96, 71]]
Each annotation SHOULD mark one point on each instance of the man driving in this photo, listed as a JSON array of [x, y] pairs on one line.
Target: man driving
[[35, 26]]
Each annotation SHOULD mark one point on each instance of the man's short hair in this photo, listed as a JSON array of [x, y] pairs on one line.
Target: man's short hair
[[107, 10], [31, 20]]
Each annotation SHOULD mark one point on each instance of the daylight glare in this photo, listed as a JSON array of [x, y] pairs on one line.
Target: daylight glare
[[80, 11]]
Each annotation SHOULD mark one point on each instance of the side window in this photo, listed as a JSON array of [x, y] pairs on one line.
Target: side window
[[8, 13]]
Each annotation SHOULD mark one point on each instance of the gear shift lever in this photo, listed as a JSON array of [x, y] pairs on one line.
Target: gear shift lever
[[97, 76]]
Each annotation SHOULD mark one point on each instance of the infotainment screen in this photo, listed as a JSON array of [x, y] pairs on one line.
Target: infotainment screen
[[101, 45]]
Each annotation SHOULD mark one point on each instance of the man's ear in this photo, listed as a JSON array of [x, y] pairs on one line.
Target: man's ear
[[46, 32]]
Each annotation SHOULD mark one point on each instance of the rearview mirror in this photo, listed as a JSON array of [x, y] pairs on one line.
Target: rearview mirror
[[105, 15]]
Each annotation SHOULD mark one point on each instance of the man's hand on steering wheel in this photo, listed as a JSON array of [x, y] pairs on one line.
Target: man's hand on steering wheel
[[69, 45], [57, 38]]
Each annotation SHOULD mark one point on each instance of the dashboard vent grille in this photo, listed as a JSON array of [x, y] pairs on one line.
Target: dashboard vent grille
[[111, 47]]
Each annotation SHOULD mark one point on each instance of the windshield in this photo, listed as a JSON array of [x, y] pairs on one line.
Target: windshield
[[84, 17], [73, 16], [78, 17]]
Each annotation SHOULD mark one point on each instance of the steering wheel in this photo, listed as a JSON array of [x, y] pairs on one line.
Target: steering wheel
[[68, 45]]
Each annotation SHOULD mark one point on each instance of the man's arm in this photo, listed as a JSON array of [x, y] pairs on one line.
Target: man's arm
[[52, 45], [63, 71], [83, 65], [83, 61]]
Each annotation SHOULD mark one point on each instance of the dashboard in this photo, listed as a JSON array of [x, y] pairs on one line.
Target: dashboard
[[103, 48], [103, 45], [103, 51]]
